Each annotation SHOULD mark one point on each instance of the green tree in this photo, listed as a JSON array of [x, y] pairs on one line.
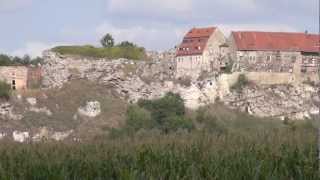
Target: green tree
[[107, 41], [5, 60], [127, 44]]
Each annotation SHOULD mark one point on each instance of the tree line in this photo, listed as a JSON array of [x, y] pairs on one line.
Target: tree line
[[6, 60]]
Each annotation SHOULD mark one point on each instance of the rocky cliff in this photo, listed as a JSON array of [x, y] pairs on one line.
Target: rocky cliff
[[133, 80]]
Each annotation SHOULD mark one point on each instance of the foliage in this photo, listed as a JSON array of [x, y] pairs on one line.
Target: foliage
[[166, 114], [138, 118], [107, 41], [135, 53], [6, 60], [241, 83], [5, 90], [127, 44]]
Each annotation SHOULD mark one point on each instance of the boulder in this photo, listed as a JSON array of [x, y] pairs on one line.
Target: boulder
[[20, 136], [32, 101], [91, 109]]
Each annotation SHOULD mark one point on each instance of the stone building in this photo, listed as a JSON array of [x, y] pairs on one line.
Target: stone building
[[20, 77], [296, 53], [202, 50]]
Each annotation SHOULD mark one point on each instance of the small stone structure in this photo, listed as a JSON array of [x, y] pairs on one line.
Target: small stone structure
[[21, 77]]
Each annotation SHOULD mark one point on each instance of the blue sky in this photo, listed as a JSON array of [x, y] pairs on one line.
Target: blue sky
[[30, 26]]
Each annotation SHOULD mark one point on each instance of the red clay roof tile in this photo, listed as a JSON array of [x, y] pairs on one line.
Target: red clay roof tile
[[276, 41], [195, 41]]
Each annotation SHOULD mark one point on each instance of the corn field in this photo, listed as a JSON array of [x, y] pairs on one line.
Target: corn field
[[270, 154]]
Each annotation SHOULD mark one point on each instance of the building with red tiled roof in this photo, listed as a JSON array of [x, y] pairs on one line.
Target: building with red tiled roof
[[275, 51], [200, 51]]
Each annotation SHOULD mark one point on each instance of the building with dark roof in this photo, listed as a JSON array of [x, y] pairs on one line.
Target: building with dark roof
[[200, 51]]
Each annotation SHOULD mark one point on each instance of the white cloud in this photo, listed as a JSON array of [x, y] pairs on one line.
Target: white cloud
[[9, 5], [151, 7], [158, 37], [33, 49], [227, 28]]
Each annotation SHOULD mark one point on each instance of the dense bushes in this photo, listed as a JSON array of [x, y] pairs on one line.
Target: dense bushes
[[5, 90], [122, 50], [166, 114], [6, 60]]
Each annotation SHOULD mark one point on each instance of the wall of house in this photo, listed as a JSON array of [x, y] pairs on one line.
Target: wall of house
[[213, 54], [267, 61], [190, 65], [310, 63], [16, 76], [34, 77]]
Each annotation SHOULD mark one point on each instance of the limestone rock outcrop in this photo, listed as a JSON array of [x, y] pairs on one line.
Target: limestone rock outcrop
[[133, 80]]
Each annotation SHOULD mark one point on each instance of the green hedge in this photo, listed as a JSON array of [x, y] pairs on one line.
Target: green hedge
[[128, 52]]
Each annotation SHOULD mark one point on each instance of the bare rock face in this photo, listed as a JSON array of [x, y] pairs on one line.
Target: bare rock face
[[6, 112], [20, 136], [32, 101], [276, 101], [134, 80], [92, 109], [60, 136], [44, 110]]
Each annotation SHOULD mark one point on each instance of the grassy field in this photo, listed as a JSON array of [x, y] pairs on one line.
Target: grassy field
[[283, 154], [134, 52]]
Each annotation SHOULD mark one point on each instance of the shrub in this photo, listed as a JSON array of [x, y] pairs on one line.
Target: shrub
[[138, 118], [174, 123], [5, 90], [168, 113], [241, 83]]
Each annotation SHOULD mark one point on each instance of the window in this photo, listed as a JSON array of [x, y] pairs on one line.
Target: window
[[293, 59], [268, 58], [14, 84]]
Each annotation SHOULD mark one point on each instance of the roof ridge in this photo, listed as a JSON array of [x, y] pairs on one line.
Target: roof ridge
[[283, 32]]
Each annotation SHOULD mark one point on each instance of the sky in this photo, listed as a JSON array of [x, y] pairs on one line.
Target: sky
[[31, 26]]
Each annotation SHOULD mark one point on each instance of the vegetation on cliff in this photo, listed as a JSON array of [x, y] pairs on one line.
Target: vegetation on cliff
[[108, 50]]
